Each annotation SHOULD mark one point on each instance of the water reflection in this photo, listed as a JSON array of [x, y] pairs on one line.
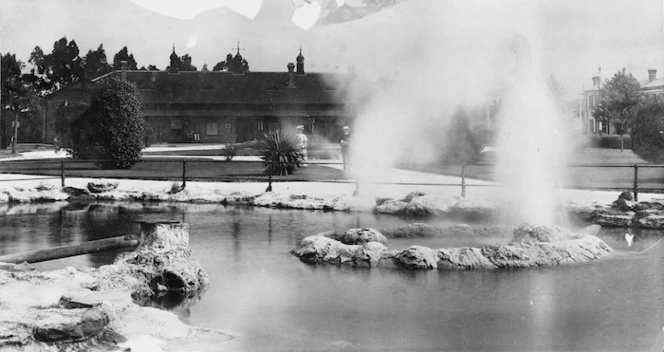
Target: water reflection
[[275, 302]]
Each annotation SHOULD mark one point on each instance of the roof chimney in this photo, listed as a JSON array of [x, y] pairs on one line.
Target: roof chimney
[[596, 82], [291, 75], [123, 70], [652, 74]]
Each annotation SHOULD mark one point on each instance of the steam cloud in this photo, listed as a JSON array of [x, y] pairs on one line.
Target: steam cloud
[[459, 55]]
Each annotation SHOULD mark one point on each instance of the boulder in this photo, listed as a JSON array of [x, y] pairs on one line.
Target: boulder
[[626, 196], [163, 261], [76, 192], [530, 254], [463, 259], [410, 196], [623, 205], [648, 206], [427, 230], [69, 325], [359, 236], [418, 257], [611, 218], [530, 233], [391, 206], [413, 230], [14, 334], [100, 186], [469, 206], [321, 249], [650, 220]]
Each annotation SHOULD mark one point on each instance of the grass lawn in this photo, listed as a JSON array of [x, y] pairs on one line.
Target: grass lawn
[[167, 169], [589, 168]]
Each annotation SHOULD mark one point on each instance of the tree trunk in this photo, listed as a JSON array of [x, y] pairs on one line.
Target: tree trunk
[[42, 255], [622, 146], [14, 139]]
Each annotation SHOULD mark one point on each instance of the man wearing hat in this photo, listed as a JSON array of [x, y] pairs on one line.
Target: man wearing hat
[[344, 141], [302, 142]]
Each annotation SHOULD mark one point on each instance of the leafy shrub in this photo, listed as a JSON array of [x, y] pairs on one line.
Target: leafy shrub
[[279, 153], [610, 142], [230, 151], [112, 130], [648, 131]]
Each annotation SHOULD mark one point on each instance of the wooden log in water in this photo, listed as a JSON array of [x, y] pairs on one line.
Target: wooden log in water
[[42, 255]]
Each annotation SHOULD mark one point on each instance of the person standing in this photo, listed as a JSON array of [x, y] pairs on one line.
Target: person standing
[[344, 141], [302, 142]]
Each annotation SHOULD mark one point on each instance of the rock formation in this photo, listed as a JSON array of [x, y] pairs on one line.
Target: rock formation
[[82, 309], [530, 247]]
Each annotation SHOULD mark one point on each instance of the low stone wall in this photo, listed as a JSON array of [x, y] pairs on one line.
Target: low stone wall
[[88, 309], [530, 247]]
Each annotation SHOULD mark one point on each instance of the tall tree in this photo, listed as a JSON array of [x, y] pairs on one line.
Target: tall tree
[[617, 101], [124, 55], [61, 67], [17, 96], [95, 63]]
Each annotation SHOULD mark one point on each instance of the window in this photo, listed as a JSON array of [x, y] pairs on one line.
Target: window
[[176, 123], [212, 128], [260, 124]]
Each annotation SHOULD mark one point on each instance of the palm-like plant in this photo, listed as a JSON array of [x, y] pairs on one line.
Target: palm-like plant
[[279, 153]]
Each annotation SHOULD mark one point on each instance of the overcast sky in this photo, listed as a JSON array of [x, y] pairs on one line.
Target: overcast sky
[[572, 37]]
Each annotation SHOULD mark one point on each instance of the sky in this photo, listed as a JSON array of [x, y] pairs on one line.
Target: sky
[[573, 37]]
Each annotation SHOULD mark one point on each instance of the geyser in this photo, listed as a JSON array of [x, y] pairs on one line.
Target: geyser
[[530, 146]]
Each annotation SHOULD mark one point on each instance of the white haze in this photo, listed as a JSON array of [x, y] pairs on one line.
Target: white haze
[[458, 54]]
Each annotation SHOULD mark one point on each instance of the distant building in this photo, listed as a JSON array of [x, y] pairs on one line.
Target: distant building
[[226, 106], [651, 87]]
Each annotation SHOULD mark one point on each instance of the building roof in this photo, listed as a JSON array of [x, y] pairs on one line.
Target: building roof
[[655, 84], [219, 87]]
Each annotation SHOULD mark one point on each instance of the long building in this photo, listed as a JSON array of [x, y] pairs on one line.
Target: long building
[[225, 107]]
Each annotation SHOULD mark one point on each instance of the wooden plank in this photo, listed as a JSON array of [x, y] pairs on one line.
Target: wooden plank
[[71, 250]]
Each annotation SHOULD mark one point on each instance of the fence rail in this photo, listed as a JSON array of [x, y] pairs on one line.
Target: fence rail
[[638, 178]]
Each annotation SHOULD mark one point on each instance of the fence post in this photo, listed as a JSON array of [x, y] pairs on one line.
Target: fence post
[[356, 192], [636, 182], [269, 177], [184, 173], [62, 172], [463, 180]]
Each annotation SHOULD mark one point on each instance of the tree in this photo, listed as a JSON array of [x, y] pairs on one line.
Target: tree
[[18, 96], [61, 67], [648, 130], [232, 64], [124, 55], [112, 130], [95, 63], [617, 102], [182, 63], [462, 144]]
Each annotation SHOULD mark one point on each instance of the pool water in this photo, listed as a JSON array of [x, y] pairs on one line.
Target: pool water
[[272, 301]]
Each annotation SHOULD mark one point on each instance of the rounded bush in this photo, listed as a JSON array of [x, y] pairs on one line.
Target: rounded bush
[[112, 130], [648, 131]]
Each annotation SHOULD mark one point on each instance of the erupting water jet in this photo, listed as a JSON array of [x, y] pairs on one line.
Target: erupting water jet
[[530, 147]]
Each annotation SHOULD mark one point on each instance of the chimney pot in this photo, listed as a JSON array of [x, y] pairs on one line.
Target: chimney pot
[[291, 75], [652, 74]]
